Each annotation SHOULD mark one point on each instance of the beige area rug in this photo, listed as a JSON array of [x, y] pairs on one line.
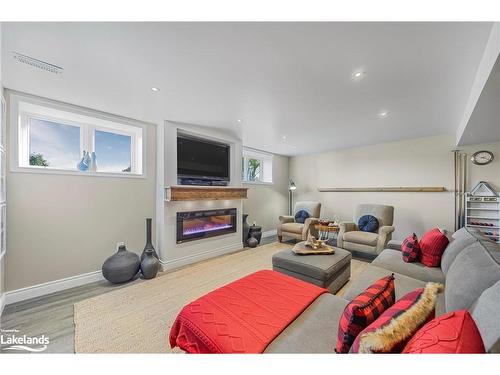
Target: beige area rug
[[137, 318]]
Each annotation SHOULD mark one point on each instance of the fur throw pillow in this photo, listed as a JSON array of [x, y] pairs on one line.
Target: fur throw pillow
[[392, 330]]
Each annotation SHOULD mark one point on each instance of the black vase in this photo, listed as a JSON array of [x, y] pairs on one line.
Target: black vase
[[149, 244], [246, 228], [122, 266], [149, 265], [255, 232]]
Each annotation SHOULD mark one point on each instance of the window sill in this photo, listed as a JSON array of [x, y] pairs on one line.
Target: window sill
[[261, 183], [75, 173]]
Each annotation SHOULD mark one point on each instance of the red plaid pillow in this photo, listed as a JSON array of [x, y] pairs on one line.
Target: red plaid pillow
[[363, 310], [411, 249], [400, 308], [433, 243]]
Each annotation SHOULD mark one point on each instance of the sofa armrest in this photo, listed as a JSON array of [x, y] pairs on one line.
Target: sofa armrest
[[344, 227], [286, 219], [347, 226], [384, 236], [395, 245], [386, 229]]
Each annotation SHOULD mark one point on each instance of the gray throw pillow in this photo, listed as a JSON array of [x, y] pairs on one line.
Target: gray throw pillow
[[462, 232], [453, 249], [474, 270], [485, 314]]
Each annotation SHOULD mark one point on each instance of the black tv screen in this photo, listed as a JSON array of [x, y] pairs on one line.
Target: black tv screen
[[199, 158]]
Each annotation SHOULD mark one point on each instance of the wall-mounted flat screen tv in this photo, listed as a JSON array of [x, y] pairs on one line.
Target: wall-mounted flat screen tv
[[201, 158]]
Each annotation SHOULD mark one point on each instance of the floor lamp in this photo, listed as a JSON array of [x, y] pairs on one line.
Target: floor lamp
[[291, 188]]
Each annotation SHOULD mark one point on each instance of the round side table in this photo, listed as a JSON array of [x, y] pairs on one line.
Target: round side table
[[328, 233]]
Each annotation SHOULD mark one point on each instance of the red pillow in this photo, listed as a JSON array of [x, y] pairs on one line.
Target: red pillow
[[454, 332], [433, 243], [411, 249], [363, 310]]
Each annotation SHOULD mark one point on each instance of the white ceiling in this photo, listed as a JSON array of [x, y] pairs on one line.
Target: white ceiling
[[281, 79]]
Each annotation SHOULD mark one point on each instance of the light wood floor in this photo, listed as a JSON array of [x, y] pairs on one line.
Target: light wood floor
[[52, 315]]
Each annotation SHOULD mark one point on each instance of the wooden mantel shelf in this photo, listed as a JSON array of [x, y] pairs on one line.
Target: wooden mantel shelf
[[203, 193]]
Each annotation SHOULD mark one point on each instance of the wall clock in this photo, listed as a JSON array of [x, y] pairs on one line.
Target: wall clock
[[482, 157]]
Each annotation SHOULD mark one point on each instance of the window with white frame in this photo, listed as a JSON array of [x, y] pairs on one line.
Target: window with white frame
[[257, 166], [52, 139]]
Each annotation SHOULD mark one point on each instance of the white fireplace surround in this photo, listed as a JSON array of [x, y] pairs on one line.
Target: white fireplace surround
[[173, 255]]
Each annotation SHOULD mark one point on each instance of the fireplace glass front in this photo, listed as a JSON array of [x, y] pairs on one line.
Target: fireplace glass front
[[195, 225]]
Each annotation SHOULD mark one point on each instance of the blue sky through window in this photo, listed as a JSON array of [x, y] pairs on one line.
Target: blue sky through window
[[58, 144], [113, 151]]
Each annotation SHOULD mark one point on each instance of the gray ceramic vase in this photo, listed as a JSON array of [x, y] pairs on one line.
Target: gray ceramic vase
[[255, 232], [246, 228], [252, 242], [149, 244], [122, 266], [149, 265]]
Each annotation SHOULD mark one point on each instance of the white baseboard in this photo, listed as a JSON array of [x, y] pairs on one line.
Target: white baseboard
[[78, 280], [269, 233], [51, 287], [184, 261]]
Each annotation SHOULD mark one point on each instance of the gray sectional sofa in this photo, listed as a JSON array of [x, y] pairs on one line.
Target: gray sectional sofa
[[470, 271]]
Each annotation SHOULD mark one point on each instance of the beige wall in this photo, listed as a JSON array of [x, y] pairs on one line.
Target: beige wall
[[489, 173], [416, 162], [2, 262], [61, 225], [266, 203]]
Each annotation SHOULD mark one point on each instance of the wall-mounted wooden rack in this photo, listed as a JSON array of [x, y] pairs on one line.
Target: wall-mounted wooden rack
[[397, 189], [203, 193]]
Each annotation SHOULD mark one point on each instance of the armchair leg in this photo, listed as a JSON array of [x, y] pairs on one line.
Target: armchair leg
[[280, 238]]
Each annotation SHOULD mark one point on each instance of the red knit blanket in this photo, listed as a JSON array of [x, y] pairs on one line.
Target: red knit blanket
[[244, 316]]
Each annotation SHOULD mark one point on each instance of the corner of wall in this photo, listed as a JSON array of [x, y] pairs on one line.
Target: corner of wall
[[2, 278], [491, 53]]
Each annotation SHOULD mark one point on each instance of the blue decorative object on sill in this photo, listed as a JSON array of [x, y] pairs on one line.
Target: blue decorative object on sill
[[84, 163], [368, 223], [93, 162]]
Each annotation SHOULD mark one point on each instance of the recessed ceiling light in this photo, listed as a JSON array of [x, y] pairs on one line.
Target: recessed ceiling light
[[155, 89], [239, 120], [283, 138], [358, 74], [383, 114]]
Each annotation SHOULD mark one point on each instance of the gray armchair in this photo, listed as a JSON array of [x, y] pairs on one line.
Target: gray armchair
[[288, 227], [351, 238]]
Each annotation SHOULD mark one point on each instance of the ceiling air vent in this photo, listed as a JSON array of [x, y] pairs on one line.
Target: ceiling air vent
[[19, 57]]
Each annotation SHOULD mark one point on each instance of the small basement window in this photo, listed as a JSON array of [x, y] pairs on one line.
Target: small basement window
[[53, 140], [257, 166]]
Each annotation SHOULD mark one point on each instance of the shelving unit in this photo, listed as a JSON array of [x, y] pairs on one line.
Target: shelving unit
[[483, 211]]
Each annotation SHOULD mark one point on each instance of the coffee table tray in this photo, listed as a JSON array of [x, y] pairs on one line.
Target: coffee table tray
[[301, 249]]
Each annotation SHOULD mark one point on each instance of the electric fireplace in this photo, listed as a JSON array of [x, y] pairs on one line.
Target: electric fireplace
[[195, 225]]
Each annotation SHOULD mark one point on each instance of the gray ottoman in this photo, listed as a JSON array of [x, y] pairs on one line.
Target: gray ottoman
[[328, 271]]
